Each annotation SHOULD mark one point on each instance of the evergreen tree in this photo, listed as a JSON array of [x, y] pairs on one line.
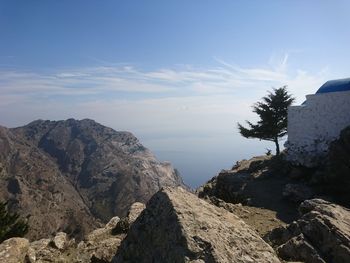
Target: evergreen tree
[[11, 225], [272, 111]]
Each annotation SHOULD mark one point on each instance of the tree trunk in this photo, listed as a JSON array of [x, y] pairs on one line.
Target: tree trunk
[[277, 146]]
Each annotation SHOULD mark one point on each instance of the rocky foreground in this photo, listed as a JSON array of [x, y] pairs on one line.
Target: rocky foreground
[[72, 175], [177, 226]]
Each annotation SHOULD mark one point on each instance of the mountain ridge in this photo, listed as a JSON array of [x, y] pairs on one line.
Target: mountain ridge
[[102, 170]]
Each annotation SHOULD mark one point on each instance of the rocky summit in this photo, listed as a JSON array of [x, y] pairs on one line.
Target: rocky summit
[[69, 175], [177, 226]]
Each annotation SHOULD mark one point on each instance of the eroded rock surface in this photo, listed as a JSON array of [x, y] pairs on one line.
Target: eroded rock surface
[[322, 234], [14, 250], [177, 226]]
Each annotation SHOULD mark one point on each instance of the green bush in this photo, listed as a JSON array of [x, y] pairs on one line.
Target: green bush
[[11, 225]]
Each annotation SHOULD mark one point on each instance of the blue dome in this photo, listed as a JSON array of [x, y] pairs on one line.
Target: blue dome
[[335, 85]]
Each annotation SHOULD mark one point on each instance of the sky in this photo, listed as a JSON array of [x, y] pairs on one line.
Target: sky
[[177, 74]]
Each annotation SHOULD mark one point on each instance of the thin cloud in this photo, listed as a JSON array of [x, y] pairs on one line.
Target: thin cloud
[[163, 94]]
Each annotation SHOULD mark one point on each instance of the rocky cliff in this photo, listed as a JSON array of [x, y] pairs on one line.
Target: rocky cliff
[[69, 174]]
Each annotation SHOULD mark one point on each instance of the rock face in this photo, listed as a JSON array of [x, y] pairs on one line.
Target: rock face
[[258, 182], [33, 185], [177, 226], [14, 250], [69, 174], [322, 234]]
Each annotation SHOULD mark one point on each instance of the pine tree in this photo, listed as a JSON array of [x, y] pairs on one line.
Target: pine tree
[[11, 225], [273, 117]]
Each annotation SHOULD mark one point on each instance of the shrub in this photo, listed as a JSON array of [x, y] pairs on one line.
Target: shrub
[[11, 225]]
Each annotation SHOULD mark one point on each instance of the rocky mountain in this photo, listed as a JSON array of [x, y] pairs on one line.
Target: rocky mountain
[[70, 174], [33, 185], [262, 210]]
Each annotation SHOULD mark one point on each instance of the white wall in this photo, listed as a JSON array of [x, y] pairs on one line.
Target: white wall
[[312, 126]]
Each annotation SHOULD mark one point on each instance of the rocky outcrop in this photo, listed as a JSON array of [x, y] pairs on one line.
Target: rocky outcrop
[[322, 234], [237, 184], [177, 226], [122, 227], [259, 182], [14, 250], [98, 246], [69, 175]]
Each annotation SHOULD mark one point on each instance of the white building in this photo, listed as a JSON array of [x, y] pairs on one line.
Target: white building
[[317, 122]]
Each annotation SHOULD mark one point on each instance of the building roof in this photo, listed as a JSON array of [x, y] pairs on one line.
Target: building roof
[[334, 86]]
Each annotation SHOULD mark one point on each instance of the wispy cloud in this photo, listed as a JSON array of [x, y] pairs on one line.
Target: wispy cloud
[[224, 78], [183, 97]]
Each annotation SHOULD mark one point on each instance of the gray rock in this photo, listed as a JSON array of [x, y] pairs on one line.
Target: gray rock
[[298, 245], [113, 222], [103, 232], [123, 225], [177, 226], [35, 247], [322, 234], [14, 250], [60, 240], [134, 211]]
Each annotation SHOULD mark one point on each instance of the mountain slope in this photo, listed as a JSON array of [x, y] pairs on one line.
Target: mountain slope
[[32, 184], [105, 170]]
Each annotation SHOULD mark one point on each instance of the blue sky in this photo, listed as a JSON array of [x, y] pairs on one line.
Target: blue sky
[[178, 74]]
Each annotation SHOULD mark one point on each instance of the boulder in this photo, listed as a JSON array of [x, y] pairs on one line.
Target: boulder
[[37, 246], [100, 245], [60, 240], [322, 234], [14, 250], [101, 251], [177, 226], [57, 249]]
